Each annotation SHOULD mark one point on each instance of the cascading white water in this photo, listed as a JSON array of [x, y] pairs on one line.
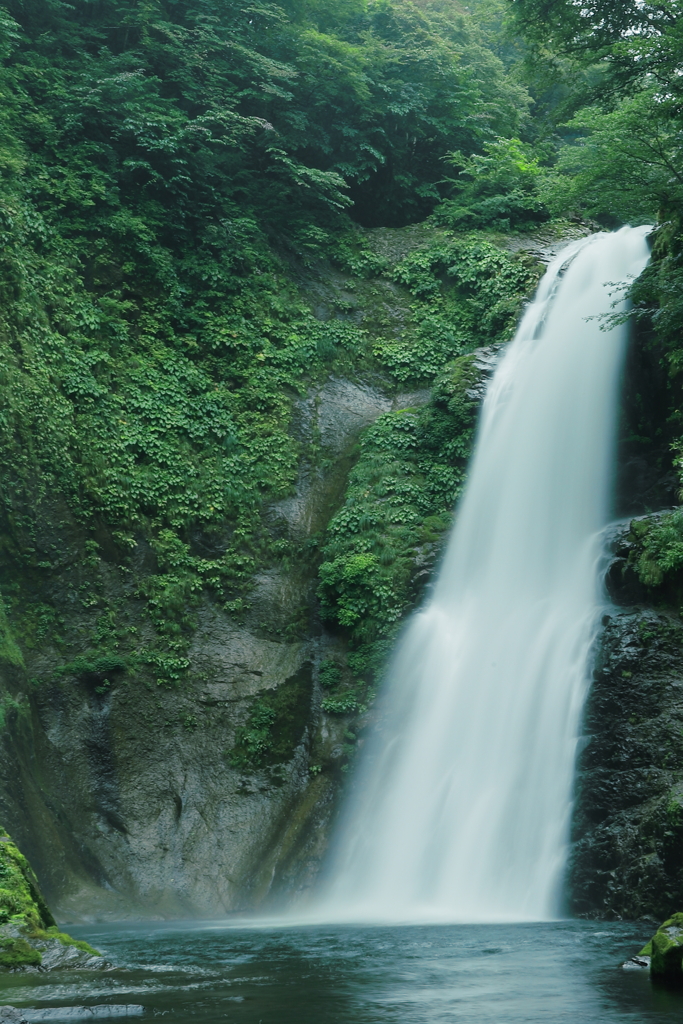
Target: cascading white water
[[461, 811]]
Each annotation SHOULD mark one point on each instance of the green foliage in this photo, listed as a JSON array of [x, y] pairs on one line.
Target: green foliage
[[21, 901], [615, 66], [66, 940], [660, 547], [94, 668], [495, 189], [468, 292], [159, 165], [388, 92], [346, 704], [623, 166], [10, 652], [16, 953], [329, 674], [634, 40], [398, 505], [23, 909], [254, 740], [9, 704], [275, 724]]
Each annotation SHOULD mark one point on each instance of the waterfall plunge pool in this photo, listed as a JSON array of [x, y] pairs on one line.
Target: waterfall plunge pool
[[562, 971]]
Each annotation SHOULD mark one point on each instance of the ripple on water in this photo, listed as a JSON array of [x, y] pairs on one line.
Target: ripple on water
[[58, 1014], [560, 972]]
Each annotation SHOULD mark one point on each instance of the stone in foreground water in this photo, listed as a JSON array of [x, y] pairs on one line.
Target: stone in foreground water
[[666, 951]]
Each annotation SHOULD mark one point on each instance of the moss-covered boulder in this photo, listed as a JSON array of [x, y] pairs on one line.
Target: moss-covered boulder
[[20, 895], [29, 937], [666, 951]]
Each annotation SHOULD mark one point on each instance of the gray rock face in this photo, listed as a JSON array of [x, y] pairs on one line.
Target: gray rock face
[[167, 827], [10, 1015]]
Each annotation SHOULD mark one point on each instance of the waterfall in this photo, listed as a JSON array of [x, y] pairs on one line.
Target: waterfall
[[462, 804]]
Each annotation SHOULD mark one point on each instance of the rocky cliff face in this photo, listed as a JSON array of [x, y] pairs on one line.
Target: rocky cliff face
[[126, 796], [627, 860]]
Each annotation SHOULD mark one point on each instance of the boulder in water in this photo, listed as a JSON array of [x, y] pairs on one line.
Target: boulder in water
[[666, 951]]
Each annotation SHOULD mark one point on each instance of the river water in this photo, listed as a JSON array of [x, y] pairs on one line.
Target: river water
[[555, 972]]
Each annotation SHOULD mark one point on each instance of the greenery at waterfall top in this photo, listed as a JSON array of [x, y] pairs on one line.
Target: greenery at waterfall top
[[162, 169], [608, 75], [604, 144], [178, 183]]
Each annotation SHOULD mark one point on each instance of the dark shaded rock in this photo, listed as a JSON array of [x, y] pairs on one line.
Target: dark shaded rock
[[627, 855], [646, 479]]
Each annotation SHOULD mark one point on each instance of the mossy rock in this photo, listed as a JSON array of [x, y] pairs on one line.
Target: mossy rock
[[666, 950], [21, 901], [27, 928], [17, 953]]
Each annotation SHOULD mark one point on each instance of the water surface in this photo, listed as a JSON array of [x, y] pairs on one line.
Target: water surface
[[470, 974]]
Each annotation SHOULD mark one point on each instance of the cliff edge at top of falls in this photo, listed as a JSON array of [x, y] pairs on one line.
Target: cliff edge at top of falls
[[29, 938]]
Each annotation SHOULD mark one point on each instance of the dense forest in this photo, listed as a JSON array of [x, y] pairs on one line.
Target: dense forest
[[176, 180]]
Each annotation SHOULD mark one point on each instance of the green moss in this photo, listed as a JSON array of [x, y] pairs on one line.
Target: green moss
[[666, 945], [98, 670], [658, 553], [23, 908], [66, 940], [345, 704], [329, 674], [10, 652], [17, 953], [21, 901]]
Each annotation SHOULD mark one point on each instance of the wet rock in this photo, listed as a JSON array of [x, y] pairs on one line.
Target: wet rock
[[637, 963], [10, 1015]]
